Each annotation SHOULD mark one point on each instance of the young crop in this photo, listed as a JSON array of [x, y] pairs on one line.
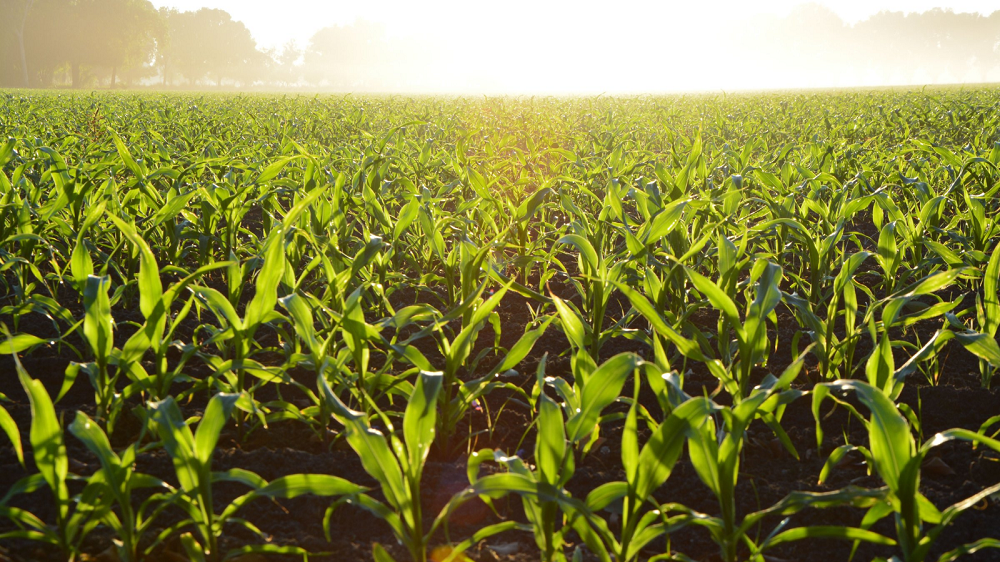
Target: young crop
[[76, 515], [898, 460], [230, 373], [119, 480], [646, 470], [988, 313], [457, 396], [598, 274], [593, 390], [176, 252], [397, 464], [191, 454], [752, 342], [715, 456]]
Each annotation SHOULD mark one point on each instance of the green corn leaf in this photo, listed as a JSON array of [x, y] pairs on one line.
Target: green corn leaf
[[150, 287], [406, 217], [126, 156], [891, 444], [949, 256], [522, 348], [302, 318], [220, 306], [829, 532], [381, 554], [254, 551], [9, 427], [991, 293], [195, 552], [587, 251], [970, 548], [46, 436], [366, 255], [687, 347], [880, 366], [571, 323], [296, 485], [7, 151], [664, 222], [602, 388], [932, 283], [97, 323], [212, 421], [630, 445], [179, 443], [81, 265], [94, 438], [266, 296], [661, 451], [275, 168], [716, 296], [18, 343], [421, 416], [293, 486], [174, 206], [293, 214], [462, 343], [983, 346], [371, 447], [605, 494], [550, 446], [527, 208]]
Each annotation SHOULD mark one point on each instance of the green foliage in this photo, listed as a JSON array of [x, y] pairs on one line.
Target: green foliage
[[414, 255]]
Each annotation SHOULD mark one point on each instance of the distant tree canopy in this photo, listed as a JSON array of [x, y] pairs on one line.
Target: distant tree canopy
[[109, 43], [77, 38], [889, 47], [208, 45]]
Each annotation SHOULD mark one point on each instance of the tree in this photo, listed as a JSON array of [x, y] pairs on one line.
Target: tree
[[288, 70], [112, 34], [209, 43], [15, 16], [19, 33], [353, 56]]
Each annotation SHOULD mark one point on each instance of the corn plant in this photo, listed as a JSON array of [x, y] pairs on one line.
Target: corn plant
[[595, 287], [191, 455], [545, 501], [230, 373], [76, 515], [716, 459], [591, 392], [880, 366], [898, 460], [646, 470], [988, 312], [397, 464], [156, 332], [834, 353], [119, 479], [751, 334], [456, 397], [665, 337]]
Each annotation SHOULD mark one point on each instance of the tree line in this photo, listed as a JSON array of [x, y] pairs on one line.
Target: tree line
[[936, 46], [109, 43], [130, 43]]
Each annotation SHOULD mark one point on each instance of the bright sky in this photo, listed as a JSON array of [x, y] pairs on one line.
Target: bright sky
[[275, 23], [581, 46]]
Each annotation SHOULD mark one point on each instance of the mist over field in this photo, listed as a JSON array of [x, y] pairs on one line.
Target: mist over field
[[518, 47]]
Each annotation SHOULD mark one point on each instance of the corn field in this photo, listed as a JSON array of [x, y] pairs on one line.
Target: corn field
[[753, 327]]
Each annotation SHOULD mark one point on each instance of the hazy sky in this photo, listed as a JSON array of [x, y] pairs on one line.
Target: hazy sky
[[274, 23]]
